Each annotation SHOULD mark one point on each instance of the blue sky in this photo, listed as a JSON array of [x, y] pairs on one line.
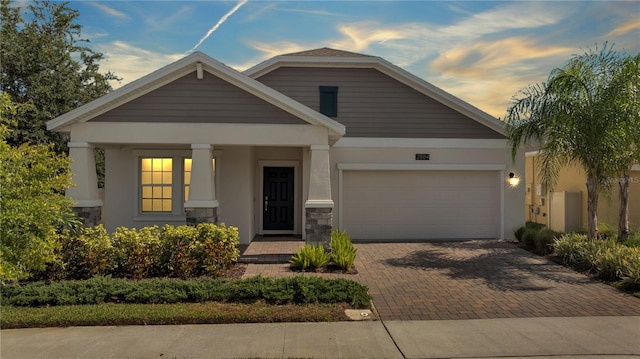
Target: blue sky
[[480, 51]]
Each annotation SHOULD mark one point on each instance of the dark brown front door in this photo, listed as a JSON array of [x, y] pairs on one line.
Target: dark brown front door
[[277, 199]]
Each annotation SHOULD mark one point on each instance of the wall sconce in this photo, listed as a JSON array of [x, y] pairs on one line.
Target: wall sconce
[[513, 179]]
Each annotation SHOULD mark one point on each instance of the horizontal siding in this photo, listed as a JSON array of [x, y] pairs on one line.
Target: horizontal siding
[[372, 104], [210, 100]]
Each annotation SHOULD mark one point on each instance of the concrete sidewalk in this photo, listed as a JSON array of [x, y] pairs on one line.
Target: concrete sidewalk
[[574, 337]]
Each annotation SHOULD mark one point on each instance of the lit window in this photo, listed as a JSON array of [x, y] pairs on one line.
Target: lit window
[[156, 184], [187, 176]]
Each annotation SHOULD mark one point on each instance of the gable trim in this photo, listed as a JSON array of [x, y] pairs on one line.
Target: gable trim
[[182, 68]]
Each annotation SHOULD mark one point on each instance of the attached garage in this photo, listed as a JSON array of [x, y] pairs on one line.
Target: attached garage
[[421, 204]]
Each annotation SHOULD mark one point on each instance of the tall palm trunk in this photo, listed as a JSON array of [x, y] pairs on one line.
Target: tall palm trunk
[[623, 215], [592, 206]]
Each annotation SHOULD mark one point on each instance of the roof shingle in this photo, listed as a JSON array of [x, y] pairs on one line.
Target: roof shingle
[[326, 52]]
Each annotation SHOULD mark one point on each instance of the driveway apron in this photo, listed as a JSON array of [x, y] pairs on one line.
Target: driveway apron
[[479, 279]]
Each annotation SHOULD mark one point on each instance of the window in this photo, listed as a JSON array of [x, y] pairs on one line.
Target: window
[[156, 184], [329, 101], [164, 179], [187, 177]]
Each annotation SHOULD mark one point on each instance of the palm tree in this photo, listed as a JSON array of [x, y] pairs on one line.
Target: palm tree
[[624, 93], [570, 119]]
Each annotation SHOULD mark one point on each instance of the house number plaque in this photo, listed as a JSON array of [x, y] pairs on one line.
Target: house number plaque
[[422, 156]]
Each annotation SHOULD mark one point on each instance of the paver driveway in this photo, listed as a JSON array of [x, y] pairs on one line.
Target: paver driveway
[[479, 279], [460, 280]]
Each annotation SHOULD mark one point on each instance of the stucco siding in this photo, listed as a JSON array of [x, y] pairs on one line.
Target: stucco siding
[[236, 192], [571, 178], [372, 104], [210, 100], [236, 196]]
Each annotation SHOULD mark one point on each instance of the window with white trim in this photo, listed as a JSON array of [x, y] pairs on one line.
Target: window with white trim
[[156, 184], [164, 182]]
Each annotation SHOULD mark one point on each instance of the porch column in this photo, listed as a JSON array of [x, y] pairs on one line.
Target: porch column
[[87, 203], [319, 205], [202, 206]]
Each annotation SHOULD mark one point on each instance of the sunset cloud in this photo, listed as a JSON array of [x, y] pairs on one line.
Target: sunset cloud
[[626, 28], [359, 37], [482, 59], [130, 63]]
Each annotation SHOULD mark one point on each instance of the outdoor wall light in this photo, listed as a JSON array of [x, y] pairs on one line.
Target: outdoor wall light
[[513, 179]]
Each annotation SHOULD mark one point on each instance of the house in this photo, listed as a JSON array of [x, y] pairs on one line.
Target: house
[[563, 208], [299, 144]]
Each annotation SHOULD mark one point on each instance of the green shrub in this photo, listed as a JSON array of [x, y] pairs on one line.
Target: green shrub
[[33, 207], [633, 240], [571, 247], [83, 256], [526, 234], [529, 238], [99, 250], [182, 251], [73, 253], [295, 290], [219, 247], [544, 240], [630, 273], [518, 233], [135, 251], [343, 253], [190, 251], [178, 246], [607, 259], [309, 257]]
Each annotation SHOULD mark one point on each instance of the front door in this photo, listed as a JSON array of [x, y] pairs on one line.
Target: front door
[[277, 199]]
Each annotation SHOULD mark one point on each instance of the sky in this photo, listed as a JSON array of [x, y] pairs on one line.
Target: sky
[[480, 51]]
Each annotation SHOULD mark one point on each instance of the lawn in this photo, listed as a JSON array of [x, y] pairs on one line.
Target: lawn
[[167, 314]]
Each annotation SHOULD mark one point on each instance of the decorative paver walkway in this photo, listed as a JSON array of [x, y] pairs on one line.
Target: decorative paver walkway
[[269, 257], [459, 280]]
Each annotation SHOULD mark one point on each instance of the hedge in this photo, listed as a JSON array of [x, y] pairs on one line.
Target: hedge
[[98, 290]]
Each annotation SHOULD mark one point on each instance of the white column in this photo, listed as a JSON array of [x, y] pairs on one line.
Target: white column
[[83, 168], [319, 178], [202, 189]]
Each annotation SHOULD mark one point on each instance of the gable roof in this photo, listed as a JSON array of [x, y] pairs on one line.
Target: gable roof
[[326, 57], [326, 52], [194, 62]]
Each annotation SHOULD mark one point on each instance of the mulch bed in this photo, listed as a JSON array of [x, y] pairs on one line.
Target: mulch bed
[[235, 272], [330, 268]]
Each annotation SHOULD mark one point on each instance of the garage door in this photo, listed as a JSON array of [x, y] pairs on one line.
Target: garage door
[[396, 205]]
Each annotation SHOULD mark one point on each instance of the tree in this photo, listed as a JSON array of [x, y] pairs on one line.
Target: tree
[[33, 207], [624, 93], [45, 64], [573, 119]]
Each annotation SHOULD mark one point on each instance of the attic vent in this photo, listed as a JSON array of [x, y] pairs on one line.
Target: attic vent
[[199, 72]]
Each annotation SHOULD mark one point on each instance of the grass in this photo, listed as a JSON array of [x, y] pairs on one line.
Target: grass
[[167, 314]]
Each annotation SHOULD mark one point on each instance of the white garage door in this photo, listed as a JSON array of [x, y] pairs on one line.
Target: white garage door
[[421, 204]]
